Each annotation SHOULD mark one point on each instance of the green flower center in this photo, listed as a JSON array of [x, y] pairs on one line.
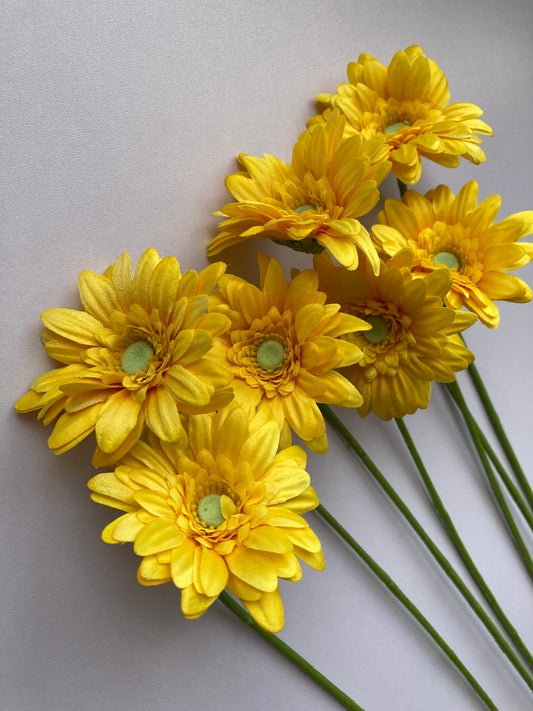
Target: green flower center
[[210, 510], [447, 258], [394, 127], [137, 357], [270, 354], [303, 208], [379, 331]]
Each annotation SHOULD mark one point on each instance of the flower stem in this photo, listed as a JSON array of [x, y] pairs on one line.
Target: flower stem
[[293, 656], [508, 482], [407, 603], [402, 187], [455, 392], [435, 551], [500, 432], [459, 545]]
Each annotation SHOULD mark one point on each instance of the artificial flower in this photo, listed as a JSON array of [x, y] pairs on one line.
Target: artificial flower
[[136, 356], [412, 340], [455, 233], [284, 348], [314, 202], [220, 511], [407, 104]]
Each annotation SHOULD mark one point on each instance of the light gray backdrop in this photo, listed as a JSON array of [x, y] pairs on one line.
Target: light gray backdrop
[[120, 122]]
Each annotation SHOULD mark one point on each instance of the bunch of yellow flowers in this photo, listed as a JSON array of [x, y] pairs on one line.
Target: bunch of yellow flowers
[[193, 383]]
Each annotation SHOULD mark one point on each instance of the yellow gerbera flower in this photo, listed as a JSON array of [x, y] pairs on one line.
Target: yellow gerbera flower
[[457, 234], [222, 510], [136, 356], [284, 348], [314, 202], [412, 338], [406, 103]]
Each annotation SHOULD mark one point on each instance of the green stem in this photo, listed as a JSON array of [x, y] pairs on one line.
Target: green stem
[[459, 545], [500, 432], [455, 392], [406, 602], [508, 482], [437, 554], [290, 653], [402, 187]]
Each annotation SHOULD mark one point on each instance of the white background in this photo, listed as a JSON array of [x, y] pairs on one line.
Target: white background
[[120, 122]]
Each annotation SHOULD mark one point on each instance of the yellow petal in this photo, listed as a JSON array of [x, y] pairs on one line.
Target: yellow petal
[[141, 279], [254, 567], [154, 502], [107, 485], [163, 286], [210, 572], [97, 295], [77, 326], [122, 280], [267, 611], [117, 418], [185, 387], [162, 415], [267, 538], [193, 603], [71, 428], [260, 449], [159, 535], [182, 562], [152, 572]]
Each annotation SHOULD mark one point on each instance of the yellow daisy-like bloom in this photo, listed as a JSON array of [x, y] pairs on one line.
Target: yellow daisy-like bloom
[[457, 234], [136, 356], [406, 103], [412, 339], [314, 202], [284, 348], [222, 511]]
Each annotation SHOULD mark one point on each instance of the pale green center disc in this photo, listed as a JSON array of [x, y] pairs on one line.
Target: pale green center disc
[[210, 510], [303, 208], [270, 354], [447, 258], [394, 127], [137, 357], [379, 331]]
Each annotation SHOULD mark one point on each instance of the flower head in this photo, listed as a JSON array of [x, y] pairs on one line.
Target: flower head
[[284, 348], [460, 236], [136, 356], [412, 339], [314, 202], [407, 104], [221, 510]]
